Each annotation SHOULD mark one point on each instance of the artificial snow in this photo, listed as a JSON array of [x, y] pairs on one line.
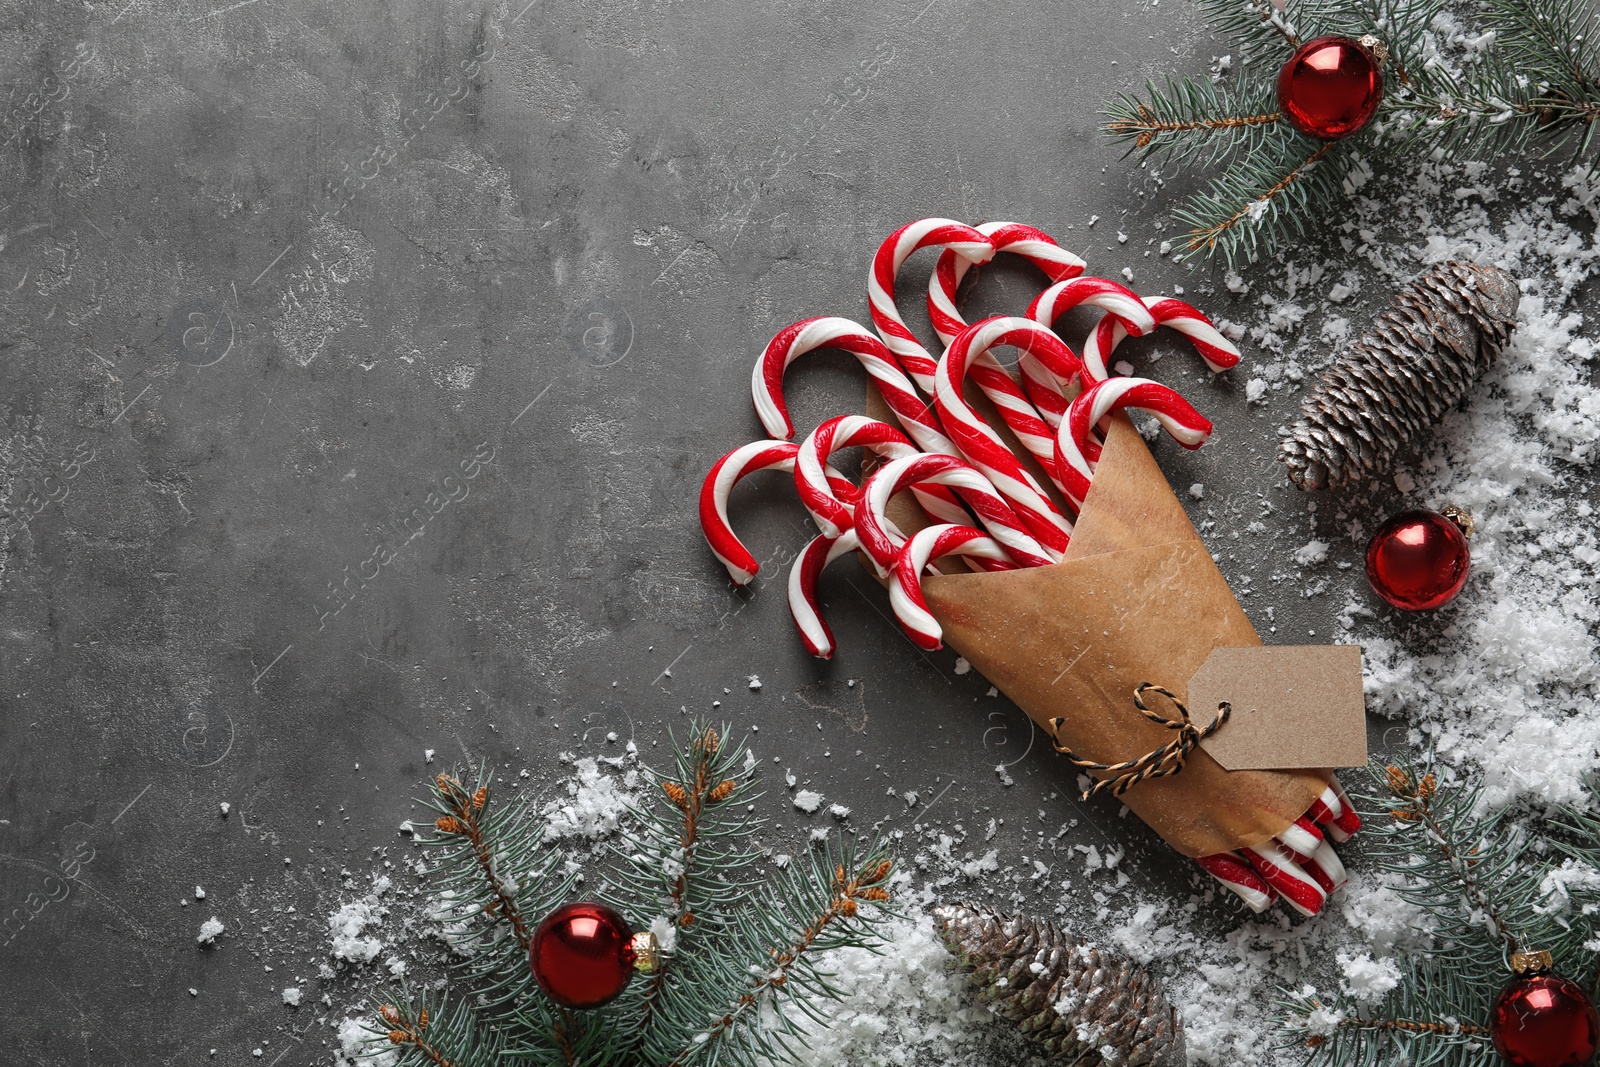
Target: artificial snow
[[807, 801], [210, 930], [291, 996], [595, 806], [347, 927], [1367, 979]]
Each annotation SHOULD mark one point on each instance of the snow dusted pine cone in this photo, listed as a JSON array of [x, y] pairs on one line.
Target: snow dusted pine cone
[[1417, 359], [1083, 1005]]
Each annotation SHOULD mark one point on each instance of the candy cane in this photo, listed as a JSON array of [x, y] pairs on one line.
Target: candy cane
[[881, 541], [1218, 352], [1301, 839], [963, 240], [985, 450], [827, 331], [834, 515], [1326, 867], [1036, 246], [905, 591], [720, 480], [1076, 452], [1233, 871], [1279, 870], [1346, 822], [1121, 304], [803, 606], [969, 356]]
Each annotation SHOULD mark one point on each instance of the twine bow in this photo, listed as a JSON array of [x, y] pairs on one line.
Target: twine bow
[[1167, 760]]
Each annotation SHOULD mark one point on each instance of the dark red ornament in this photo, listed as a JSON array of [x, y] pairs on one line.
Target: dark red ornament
[[1543, 1020], [582, 955], [1418, 560], [1330, 87]]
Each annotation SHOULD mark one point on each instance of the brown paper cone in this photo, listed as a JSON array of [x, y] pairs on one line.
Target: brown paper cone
[[1137, 598]]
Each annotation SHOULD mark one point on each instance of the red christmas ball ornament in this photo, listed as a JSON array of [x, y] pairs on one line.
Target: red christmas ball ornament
[[584, 954], [1331, 86], [1543, 1020], [1418, 560]]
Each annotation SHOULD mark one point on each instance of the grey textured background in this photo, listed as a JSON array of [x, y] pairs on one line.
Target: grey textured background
[[280, 268]]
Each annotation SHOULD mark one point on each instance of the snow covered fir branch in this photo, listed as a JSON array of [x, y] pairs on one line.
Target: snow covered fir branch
[[1491, 897], [1524, 78], [739, 940]]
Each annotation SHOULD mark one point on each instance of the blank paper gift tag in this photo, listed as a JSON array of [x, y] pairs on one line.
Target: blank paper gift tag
[[1293, 706]]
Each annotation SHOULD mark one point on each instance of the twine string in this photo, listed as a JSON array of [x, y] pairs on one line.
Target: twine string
[[1167, 760]]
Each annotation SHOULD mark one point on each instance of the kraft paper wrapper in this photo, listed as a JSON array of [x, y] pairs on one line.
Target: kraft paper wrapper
[[1136, 599]]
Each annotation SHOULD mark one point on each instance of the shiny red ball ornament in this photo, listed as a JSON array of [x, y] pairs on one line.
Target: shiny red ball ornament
[[1330, 87], [582, 955], [1418, 560], [1543, 1020]]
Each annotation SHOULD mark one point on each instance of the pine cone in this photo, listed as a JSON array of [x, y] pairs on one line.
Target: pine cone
[[1083, 1005], [1418, 358]]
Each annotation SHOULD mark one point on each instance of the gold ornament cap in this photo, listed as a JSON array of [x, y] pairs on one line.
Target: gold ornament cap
[[1459, 516], [1536, 961], [1375, 45], [646, 952]]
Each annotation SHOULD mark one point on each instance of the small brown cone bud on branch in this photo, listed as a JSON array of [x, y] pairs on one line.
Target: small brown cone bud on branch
[[721, 792], [677, 794]]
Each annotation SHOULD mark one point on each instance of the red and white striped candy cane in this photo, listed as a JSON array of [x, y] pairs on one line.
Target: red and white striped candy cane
[[905, 590], [956, 237], [1335, 814], [829, 331], [1233, 871], [984, 448], [1077, 452], [881, 541], [834, 514], [1036, 246], [1121, 304], [720, 480], [1326, 867], [1301, 839], [1218, 352], [1279, 870], [803, 606], [969, 356]]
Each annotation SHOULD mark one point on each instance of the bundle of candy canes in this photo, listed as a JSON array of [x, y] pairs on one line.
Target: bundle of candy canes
[[987, 508]]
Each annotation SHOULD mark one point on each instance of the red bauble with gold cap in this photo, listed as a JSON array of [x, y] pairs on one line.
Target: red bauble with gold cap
[[584, 955], [1543, 1020], [1419, 560], [1331, 86]]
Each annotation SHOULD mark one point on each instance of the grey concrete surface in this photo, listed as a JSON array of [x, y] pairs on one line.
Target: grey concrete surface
[[359, 365]]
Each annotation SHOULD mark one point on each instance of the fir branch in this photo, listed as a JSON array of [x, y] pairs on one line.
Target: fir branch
[[708, 783], [1422, 1023], [1483, 890], [1403, 27], [1465, 870], [1257, 25], [492, 874], [788, 966], [428, 1031], [1189, 119], [1257, 201], [1550, 46], [466, 819]]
